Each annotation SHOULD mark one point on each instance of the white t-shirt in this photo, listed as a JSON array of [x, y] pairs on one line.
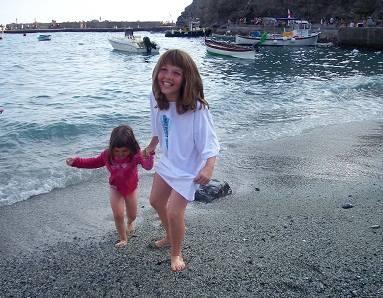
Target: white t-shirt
[[187, 141]]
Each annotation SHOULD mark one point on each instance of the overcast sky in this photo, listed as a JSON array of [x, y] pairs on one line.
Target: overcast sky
[[26, 11]]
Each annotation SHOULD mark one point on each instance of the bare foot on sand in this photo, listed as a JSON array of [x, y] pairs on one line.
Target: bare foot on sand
[[130, 229], [121, 244], [177, 263], [162, 243]]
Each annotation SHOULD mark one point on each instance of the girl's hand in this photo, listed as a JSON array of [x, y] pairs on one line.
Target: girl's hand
[[148, 151], [69, 161], [204, 175], [206, 172], [151, 148]]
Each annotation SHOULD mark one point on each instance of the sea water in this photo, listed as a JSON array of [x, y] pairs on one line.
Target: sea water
[[63, 97]]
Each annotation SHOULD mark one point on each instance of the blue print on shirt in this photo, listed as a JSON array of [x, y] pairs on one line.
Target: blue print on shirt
[[165, 121]]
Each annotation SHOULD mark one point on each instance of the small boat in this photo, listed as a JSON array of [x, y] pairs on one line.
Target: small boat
[[183, 33], [223, 37], [298, 33], [193, 30], [1, 31], [44, 37], [134, 44], [229, 49]]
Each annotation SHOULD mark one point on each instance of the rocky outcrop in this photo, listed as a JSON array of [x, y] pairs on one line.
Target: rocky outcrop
[[218, 12]]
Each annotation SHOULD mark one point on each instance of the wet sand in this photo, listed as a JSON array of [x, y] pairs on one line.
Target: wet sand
[[282, 233]]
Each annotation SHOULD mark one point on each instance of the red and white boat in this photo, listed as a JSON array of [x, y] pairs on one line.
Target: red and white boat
[[229, 49]]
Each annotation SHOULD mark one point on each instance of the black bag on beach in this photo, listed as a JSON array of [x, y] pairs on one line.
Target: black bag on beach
[[211, 191]]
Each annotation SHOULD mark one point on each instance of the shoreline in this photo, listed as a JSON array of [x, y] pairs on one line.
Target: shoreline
[[282, 233]]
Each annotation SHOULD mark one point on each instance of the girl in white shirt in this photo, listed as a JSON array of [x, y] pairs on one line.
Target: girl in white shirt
[[182, 125]]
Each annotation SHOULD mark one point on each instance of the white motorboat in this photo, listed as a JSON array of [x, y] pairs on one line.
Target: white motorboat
[[228, 49], [134, 44], [297, 34]]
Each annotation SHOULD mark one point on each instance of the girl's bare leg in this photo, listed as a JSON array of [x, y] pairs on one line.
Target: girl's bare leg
[[176, 229], [117, 204], [131, 210], [158, 199]]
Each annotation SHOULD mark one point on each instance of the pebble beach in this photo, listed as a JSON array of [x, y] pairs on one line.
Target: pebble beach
[[287, 230]]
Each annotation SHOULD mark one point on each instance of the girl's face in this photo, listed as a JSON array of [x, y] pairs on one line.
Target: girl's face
[[170, 80], [121, 152]]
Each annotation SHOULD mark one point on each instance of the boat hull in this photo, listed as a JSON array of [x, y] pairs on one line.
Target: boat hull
[[226, 49], [42, 37], [131, 45], [278, 40], [197, 33]]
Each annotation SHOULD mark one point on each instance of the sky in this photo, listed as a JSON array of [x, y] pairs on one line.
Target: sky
[[44, 11]]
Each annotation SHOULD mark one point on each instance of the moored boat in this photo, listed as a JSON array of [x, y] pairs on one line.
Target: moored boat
[[297, 33], [194, 30], [44, 37], [229, 49], [223, 37], [134, 44]]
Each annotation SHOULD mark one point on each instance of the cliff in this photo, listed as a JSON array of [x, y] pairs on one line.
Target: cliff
[[218, 12]]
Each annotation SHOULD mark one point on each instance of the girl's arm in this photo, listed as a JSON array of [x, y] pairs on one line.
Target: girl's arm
[[153, 115], [146, 159], [151, 148], [207, 144], [206, 172], [87, 163]]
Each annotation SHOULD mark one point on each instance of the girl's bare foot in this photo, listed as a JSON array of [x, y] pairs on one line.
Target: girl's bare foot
[[121, 244], [177, 263], [162, 243], [130, 229]]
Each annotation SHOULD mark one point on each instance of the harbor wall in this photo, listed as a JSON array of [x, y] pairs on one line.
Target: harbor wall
[[365, 37], [121, 29]]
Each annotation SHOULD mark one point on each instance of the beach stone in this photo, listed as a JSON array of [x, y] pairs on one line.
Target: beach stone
[[347, 205], [213, 190]]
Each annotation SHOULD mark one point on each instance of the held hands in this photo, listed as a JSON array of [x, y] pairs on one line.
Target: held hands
[[148, 151], [69, 161]]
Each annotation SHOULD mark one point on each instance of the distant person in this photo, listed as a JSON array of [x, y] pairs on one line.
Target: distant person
[[121, 159], [183, 126], [370, 22]]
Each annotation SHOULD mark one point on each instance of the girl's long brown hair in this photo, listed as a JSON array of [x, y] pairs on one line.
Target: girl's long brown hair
[[191, 88], [123, 136]]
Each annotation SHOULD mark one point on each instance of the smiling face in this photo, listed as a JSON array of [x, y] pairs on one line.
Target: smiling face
[[170, 79]]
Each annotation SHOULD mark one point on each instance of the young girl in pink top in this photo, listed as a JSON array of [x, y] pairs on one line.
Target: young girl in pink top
[[121, 159]]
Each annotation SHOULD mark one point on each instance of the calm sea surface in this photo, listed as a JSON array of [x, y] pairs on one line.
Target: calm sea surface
[[63, 97]]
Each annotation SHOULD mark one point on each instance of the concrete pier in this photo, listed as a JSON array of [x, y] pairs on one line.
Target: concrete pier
[[152, 29], [364, 37]]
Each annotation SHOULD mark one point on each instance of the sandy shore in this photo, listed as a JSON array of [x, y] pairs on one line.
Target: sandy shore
[[282, 233]]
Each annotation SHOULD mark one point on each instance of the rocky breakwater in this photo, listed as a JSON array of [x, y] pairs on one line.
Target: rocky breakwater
[[364, 37]]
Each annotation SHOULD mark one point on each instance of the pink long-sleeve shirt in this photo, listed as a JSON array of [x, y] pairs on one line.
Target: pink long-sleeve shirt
[[123, 172]]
